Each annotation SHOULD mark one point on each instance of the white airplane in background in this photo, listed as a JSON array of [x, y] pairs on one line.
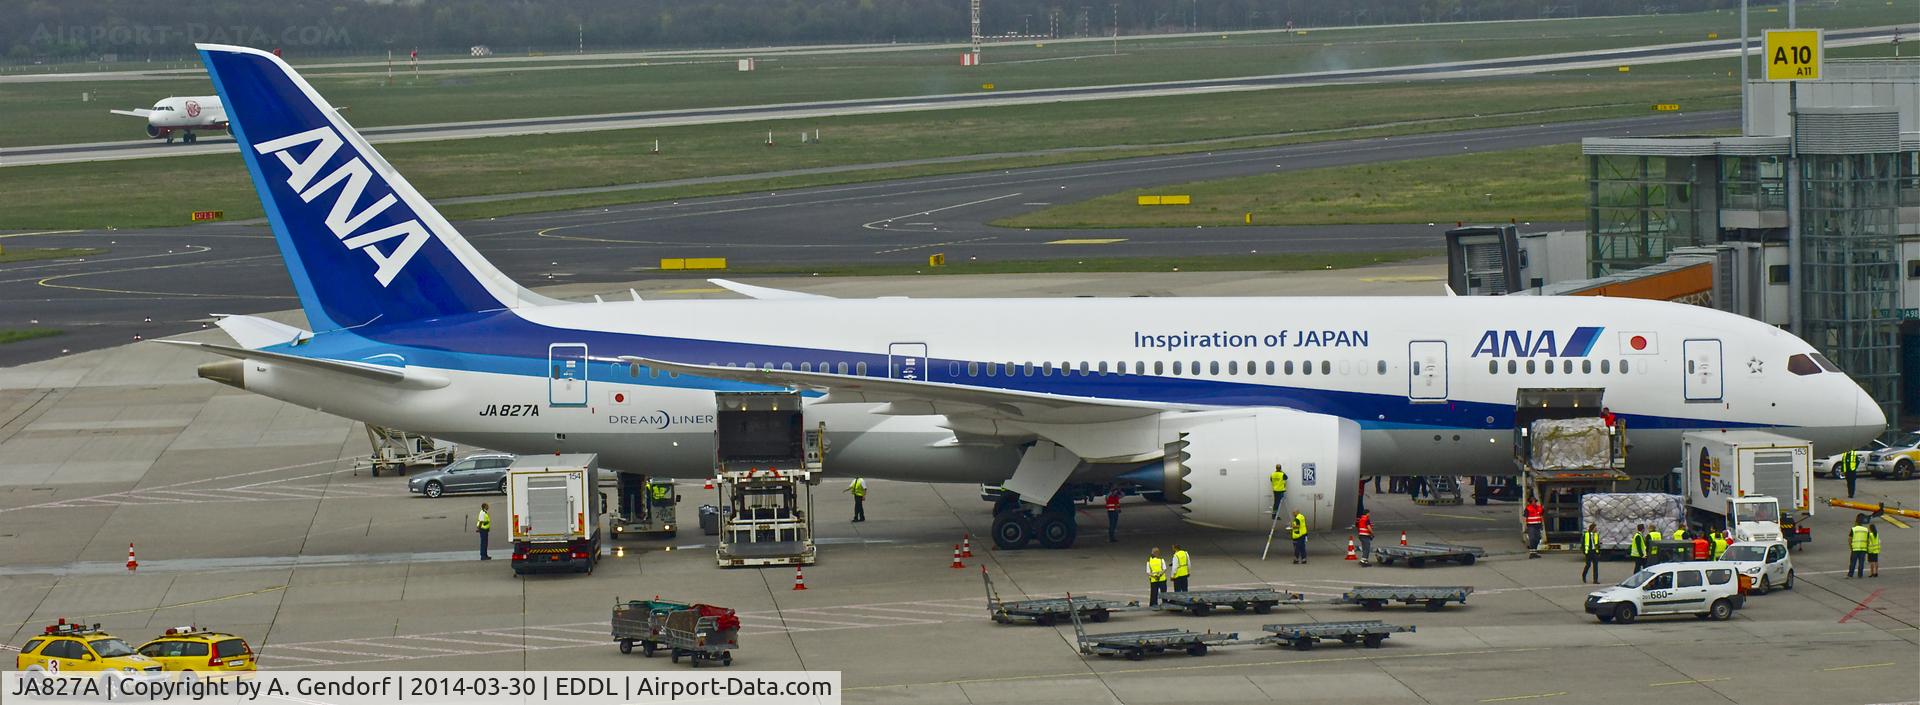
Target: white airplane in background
[[186, 116], [1197, 397]]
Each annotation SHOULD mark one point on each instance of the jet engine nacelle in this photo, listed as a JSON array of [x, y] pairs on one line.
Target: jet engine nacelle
[[1218, 465]]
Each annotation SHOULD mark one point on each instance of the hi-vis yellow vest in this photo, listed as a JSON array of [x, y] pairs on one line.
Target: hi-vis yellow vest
[[1299, 528], [1181, 563], [1156, 569], [1279, 480], [486, 521]]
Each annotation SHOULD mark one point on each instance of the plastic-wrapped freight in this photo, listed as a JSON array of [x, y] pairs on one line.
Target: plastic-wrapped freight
[[1616, 515], [1570, 444]]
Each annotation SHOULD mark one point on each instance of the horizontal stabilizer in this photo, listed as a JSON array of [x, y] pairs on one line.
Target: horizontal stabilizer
[[254, 332], [374, 373]]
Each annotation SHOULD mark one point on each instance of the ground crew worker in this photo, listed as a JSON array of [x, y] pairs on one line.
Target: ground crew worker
[[1182, 564], [481, 526], [1873, 551], [1850, 469], [1680, 533], [1859, 539], [1363, 525], [1279, 482], [1637, 549], [1590, 550], [859, 490], [1536, 524], [1156, 577], [1702, 549], [661, 492], [1113, 515], [1653, 546], [1298, 532], [1719, 544]]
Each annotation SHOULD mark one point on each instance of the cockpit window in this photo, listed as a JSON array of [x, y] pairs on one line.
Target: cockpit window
[[1825, 363], [1802, 365]]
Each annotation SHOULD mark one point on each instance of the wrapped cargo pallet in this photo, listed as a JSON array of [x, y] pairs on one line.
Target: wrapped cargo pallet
[[1615, 515], [1571, 444]]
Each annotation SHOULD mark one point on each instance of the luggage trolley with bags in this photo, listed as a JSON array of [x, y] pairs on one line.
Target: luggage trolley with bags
[[641, 622]]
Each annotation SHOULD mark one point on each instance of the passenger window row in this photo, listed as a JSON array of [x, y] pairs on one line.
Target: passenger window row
[[1565, 367]]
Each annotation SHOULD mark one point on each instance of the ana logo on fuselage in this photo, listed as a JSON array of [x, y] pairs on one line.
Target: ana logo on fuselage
[[352, 177], [1536, 343]]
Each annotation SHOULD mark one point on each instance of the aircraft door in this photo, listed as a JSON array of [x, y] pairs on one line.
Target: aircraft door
[[907, 361], [1703, 382], [567, 374], [1427, 370]]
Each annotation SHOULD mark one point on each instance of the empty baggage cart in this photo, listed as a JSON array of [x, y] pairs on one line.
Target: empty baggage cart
[[1373, 597], [1048, 611], [1303, 636], [1199, 603]]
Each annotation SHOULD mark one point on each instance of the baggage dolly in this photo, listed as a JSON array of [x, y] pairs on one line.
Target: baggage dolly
[[1302, 636], [1417, 555], [1048, 611], [1137, 645], [1373, 597], [641, 621], [1200, 603]]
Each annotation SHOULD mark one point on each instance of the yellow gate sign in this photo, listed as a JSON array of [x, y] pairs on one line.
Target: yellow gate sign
[[1794, 54]]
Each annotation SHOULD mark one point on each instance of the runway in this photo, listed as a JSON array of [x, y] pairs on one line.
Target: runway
[[179, 276], [136, 149]]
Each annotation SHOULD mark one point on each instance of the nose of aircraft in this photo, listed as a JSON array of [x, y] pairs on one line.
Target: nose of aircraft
[[1868, 418]]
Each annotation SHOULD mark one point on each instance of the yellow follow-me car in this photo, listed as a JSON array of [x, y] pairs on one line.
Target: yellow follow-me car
[[190, 649], [64, 647]]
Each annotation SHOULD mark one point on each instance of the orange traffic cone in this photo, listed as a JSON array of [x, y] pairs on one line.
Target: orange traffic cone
[[956, 557], [1350, 554], [799, 579], [132, 564], [1403, 538], [709, 484], [966, 545]]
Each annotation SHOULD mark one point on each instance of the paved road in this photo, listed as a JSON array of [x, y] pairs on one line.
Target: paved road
[[178, 276], [53, 154]]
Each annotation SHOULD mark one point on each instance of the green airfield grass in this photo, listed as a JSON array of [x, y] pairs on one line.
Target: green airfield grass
[[52, 113]]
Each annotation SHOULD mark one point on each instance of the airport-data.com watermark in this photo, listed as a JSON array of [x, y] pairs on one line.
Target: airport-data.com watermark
[[161, 35], [709, 686]]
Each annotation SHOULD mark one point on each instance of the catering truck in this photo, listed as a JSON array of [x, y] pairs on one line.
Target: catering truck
[[1744, 480], [553, 513]]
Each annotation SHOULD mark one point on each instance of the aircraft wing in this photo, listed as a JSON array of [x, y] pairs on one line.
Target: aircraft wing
[[376, 373], [763, 292], [913, 397], [136, 112]]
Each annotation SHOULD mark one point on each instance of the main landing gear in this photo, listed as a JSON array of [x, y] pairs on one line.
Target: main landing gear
[[1015, 523]]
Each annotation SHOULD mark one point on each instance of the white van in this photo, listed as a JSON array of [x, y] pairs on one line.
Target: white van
[[1705, 589], [1765, 563]]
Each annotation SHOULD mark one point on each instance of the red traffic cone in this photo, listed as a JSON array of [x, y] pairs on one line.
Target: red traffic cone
[[1350, 554], [956, 557], [799, 579], [132, 564], [966, 545], [709, 484], [1403, 538]]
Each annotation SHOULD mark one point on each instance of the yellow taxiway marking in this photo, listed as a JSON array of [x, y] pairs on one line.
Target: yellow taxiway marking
[[1888, 518], [1691, 682], [1534, 696], [1089, 241], [1409, 279], [194, 603], [1458, 516], [1853, 668], [692, 291]]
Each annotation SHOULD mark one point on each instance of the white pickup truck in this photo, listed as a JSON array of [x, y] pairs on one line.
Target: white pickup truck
[[1705, 589]]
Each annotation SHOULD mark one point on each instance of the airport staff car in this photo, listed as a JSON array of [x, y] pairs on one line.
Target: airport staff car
[[1827, 467], [65, 647], [474, 473], [1896, 461], [1765, 563], [1705, 589], [190, 649]]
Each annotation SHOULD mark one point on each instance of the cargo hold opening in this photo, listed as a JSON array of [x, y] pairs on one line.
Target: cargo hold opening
[[759, 430]]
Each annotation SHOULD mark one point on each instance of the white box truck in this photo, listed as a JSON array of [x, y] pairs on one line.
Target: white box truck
[[553, 512], [1744, 480]]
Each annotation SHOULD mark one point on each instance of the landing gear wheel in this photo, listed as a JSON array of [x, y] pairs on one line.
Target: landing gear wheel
[[434, 489], [1057, 530], [1011, 532]]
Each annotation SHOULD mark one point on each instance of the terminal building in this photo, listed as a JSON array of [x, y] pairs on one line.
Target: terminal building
[[1705, 220]]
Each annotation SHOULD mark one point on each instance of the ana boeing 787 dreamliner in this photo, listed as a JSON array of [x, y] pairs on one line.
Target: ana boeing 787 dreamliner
[[1199, 398]]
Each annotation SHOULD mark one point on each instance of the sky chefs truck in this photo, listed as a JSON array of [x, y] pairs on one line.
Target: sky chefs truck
[[553, 512], [1744, 479]]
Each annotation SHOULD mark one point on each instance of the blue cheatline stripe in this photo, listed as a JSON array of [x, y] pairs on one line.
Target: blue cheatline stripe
[[302, 284], [500, 342], [1581, 342]]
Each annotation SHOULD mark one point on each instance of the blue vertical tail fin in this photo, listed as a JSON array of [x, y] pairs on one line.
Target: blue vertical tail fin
[[361, 244]]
